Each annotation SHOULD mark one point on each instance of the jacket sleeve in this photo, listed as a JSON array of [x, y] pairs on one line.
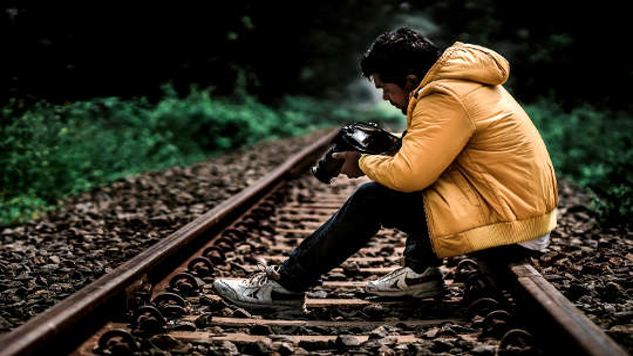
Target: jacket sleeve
[[439, 130]]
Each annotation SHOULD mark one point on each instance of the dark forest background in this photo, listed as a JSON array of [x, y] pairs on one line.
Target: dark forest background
[[67, 52], [94, 91]]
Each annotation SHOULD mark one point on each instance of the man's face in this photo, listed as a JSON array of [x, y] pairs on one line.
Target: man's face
[[397, 96]]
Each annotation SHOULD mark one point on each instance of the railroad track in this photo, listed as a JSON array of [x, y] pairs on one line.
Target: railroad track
[[161, 301]]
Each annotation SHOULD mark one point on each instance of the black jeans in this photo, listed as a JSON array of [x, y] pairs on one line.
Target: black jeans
[[371, 206]]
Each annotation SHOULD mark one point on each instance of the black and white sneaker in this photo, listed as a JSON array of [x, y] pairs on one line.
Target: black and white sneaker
[[406, 282], [260, 291]]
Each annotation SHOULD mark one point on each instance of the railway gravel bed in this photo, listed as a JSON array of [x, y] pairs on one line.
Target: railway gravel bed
[[340, 317], [591, 265], [46, 260]]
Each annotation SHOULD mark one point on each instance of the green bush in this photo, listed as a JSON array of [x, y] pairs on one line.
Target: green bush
[[52, 151], [49, 151], [593, 148]]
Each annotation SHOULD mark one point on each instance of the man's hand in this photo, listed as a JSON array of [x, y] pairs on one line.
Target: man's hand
[[350, 167]]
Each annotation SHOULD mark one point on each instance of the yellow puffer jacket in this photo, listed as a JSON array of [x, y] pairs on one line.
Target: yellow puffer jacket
[[484, 171]]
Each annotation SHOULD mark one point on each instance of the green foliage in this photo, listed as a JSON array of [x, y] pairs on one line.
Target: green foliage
[[385, 114], [52, 151], [595, 149]]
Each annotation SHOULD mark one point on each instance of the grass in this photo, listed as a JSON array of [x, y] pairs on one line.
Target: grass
[[593, 148], [52, 151]]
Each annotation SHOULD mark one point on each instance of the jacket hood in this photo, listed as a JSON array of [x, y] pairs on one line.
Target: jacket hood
[[469, 62]]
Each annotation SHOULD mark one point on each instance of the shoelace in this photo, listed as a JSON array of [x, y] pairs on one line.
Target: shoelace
[[259, 278], [393, 273]]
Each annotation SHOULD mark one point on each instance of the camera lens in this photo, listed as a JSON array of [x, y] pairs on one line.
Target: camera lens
[[327, 168]]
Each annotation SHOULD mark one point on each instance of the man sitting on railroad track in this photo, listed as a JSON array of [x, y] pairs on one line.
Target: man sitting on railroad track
[[472, 173]]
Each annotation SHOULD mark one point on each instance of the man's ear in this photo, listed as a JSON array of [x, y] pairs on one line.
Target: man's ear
[[412, 82]]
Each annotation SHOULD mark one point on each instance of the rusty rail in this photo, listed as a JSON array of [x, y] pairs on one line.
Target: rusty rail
[[550, 316], [554, 318], [59, 329]]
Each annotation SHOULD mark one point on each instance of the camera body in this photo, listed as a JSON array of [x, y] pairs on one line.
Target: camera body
[[362, 137]]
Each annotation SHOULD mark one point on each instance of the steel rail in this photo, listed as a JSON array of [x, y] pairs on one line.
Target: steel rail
[[549, 315], [557, 323], [65, 325], [555, 319]]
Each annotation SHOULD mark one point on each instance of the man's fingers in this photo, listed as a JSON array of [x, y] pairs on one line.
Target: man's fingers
[[338, 155]]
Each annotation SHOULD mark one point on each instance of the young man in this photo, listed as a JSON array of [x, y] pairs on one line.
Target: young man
[[472, 173]]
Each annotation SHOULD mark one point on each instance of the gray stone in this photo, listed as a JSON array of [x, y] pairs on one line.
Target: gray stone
[[261, 330], [378, 333], [258, 348], [230, 347], [386, 351], [300, 351], [168, 343], [314, 345], [441, 345], [612, 291], [432, 333], [484, 350], [609, 308], [284, 348], [321, 294], [347, 341], [204, 320]]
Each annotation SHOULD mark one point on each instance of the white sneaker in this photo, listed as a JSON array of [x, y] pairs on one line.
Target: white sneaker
[[404, 281], [259, 292]]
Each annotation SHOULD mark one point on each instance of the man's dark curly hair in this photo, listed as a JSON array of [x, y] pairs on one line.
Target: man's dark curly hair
[[396, 54]]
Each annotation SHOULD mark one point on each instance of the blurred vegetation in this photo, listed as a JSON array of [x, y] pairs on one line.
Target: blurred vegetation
[[84, 100], [595, 149], [77, 51], [62, 51], [51, 151], [569, 49]]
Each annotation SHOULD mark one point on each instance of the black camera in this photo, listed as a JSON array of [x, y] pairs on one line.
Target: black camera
[[360, 136]]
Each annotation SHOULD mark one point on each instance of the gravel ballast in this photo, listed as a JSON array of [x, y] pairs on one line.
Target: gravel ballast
[[48, 259]]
